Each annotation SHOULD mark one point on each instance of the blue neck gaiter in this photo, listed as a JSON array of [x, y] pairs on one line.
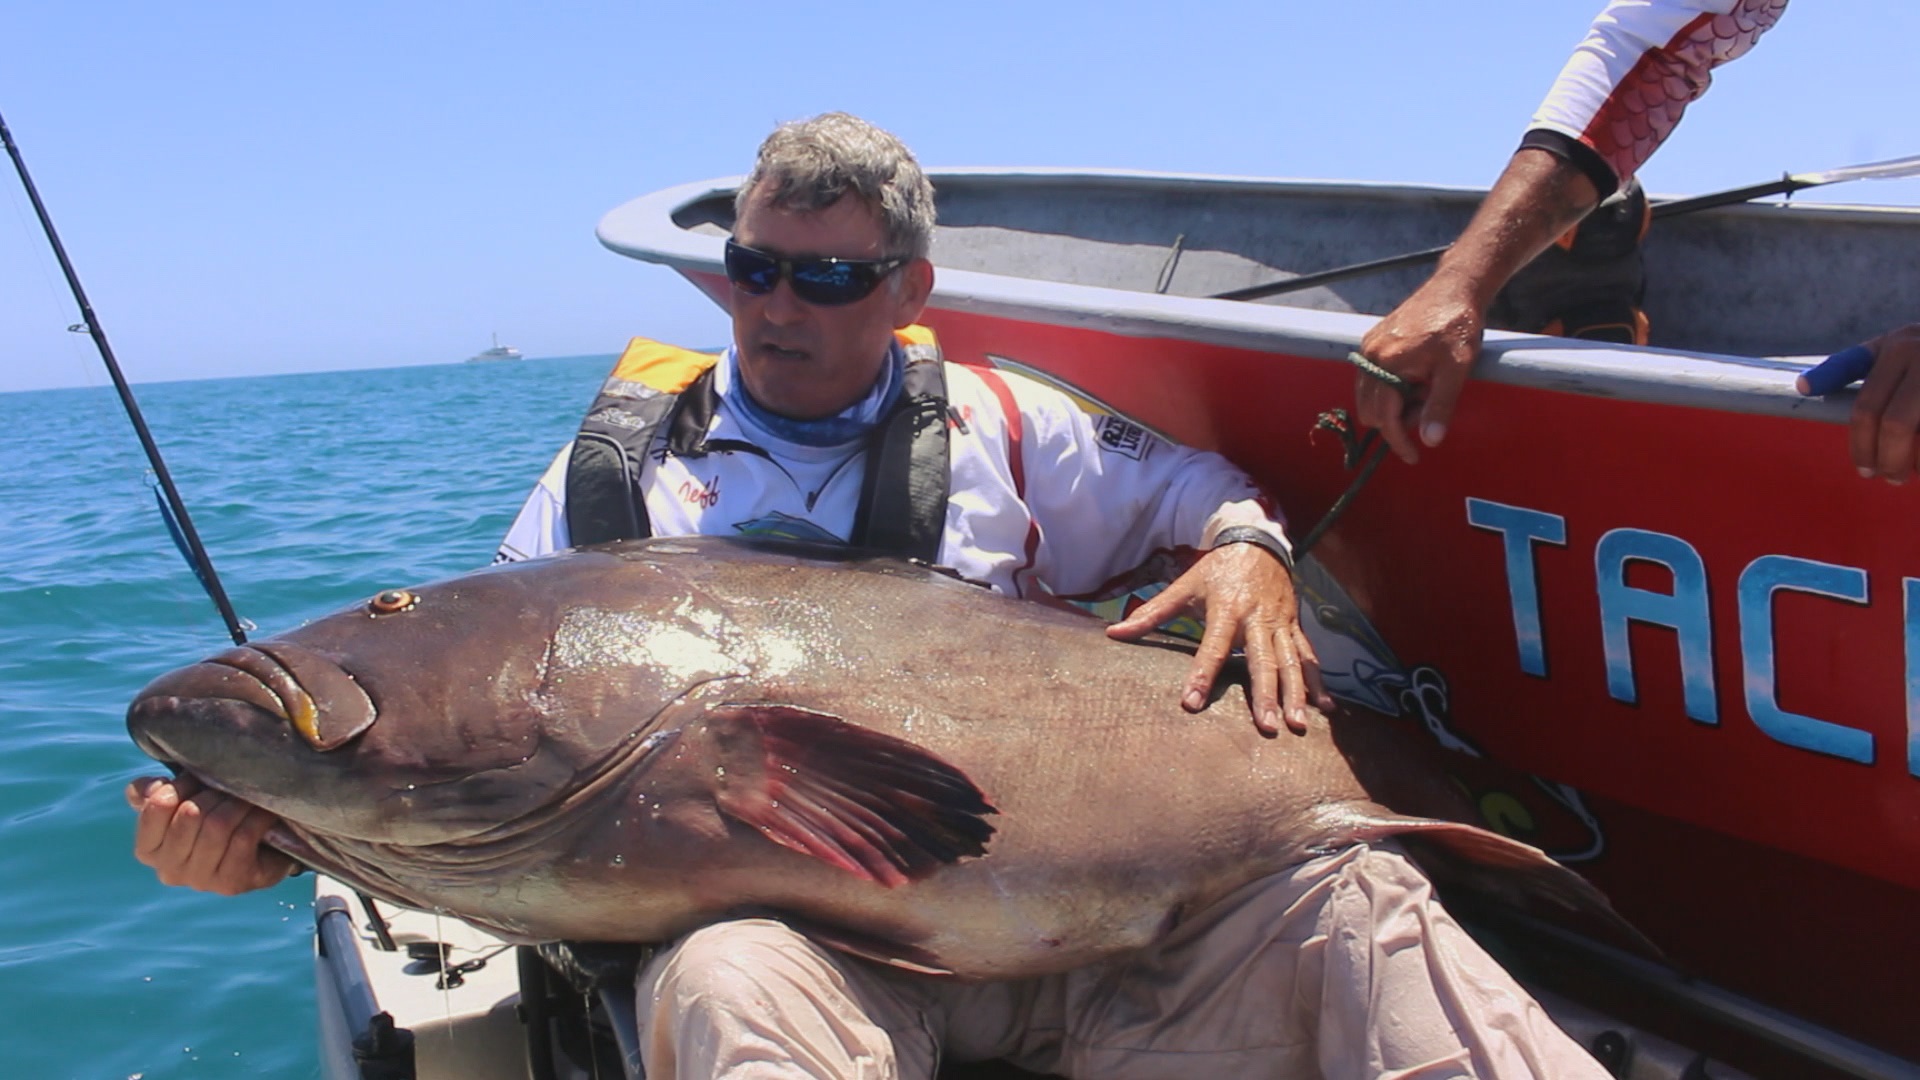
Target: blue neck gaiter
[[843, 427]]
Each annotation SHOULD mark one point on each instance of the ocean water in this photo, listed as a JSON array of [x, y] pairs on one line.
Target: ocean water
[[310, 492]]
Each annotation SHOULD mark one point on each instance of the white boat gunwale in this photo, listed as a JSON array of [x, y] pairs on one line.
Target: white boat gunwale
[[645, 228]]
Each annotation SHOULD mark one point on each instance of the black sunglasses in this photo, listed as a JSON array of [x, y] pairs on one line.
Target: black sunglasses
[[826, 282]]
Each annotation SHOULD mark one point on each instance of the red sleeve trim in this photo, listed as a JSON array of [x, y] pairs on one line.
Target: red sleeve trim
[[1016, 459], [1648, 102]]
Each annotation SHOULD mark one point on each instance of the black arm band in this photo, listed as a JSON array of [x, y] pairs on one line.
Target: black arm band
[[1247, 534], [1575, 153]]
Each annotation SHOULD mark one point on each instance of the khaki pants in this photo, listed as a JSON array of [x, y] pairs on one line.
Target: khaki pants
[[1344, 967]]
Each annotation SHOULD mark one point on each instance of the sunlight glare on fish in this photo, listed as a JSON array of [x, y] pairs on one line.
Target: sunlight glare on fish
[[705, 619], [590, 638], [783, 654]]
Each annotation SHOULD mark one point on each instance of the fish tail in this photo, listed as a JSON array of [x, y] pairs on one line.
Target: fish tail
[[1516, 875], [1503, 872]]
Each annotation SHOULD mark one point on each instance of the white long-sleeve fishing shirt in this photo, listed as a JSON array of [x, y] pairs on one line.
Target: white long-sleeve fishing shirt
[[1044, 496], [1641, 64]]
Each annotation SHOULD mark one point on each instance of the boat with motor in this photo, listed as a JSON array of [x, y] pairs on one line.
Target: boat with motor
[[496, 352], [1673, 638]]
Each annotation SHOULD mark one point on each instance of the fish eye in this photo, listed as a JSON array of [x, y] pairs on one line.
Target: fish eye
[[391, 601]]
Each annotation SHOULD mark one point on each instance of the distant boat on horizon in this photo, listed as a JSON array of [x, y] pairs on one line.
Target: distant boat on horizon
[[497, 352]]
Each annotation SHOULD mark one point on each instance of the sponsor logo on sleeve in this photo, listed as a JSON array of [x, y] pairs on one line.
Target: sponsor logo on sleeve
[[1124, 437]]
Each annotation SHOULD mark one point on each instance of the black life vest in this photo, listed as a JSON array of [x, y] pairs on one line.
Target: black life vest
[[903, 501]]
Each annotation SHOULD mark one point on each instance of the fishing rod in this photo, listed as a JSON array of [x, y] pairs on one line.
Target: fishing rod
[[179, 524], [172, 509], [1786, 185]]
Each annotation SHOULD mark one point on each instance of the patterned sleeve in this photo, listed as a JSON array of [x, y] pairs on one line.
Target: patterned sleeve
[[1643, 62]]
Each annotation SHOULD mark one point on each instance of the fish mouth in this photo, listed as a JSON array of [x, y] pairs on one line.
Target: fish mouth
[[310, 693]]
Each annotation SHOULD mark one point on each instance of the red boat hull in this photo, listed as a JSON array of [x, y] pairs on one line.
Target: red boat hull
[[1703, 621], [1778, 870]]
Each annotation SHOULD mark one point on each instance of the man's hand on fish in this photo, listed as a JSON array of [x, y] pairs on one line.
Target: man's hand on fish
[[194, 836], [1246, 596]]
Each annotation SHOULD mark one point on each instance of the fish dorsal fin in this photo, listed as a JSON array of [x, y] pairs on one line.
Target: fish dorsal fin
[[876, 806]]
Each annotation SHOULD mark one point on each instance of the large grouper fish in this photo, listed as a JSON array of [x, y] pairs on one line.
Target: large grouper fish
[[626, 742]]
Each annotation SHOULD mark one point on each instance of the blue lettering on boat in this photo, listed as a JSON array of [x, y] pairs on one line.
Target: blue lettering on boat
[[1685, 610], [1758, 582], [1520, 528]]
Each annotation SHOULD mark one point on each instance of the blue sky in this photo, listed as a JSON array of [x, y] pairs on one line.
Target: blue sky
[[250, 189]]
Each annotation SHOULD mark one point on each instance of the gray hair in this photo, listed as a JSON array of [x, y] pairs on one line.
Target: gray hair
[[808, 165]]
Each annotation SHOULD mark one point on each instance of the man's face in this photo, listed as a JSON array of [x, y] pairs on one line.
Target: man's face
[[807, 361]]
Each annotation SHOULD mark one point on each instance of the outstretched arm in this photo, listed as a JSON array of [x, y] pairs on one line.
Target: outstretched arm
[[1620, 95], [1432, 338]]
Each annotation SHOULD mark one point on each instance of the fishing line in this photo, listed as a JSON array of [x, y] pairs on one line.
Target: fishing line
[[172, 509], [84, 374], [443, 980], [78, 365]]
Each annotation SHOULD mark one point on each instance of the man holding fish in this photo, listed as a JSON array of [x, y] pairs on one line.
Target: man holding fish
[[1342, 965]]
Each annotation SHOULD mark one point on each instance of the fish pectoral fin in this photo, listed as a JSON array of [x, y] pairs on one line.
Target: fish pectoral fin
[[876, 806]]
